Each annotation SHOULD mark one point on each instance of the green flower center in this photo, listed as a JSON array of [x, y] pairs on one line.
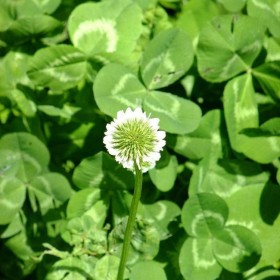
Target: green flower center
[[134, 139]]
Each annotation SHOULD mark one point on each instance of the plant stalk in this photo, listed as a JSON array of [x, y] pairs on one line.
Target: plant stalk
[[131, 220]]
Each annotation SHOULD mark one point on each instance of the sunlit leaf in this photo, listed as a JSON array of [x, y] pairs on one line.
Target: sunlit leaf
[[273, 50], [228, 45], [269, 13], [14, 227], [116, 88], [85, 233], [50, 190], [26, 27], [102, 171], [204, 214], [204, 140], [165, 173], [226, 177], [12, 197], [266, 138], [166, 58], [144, 244], [155, 270], [240, 107], [58, 67], [106, 268], [73, 268], [20, 246], [237, 248], [15, 65], [101, 28], [25, 104], [194, 16], [268, 76], [268, 145], [197, 261], [233, 5], [258, 209], [177, 115], [66, 112], [91, 202], [31, 154], [163, 213], [33, 7]]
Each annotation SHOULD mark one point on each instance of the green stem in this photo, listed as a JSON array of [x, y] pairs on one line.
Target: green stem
[[131, 220]]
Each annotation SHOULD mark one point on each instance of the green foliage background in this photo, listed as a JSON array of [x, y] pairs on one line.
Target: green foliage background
[[209, 69]]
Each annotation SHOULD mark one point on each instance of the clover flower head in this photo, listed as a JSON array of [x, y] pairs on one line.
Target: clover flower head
[[134, 138]]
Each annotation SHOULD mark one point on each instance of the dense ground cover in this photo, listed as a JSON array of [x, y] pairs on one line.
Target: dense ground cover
[[209, 70]]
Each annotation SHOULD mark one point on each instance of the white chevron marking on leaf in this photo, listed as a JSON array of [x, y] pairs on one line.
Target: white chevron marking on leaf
[[163, 209], [198, 260], [263, 6], [205, 214], [104, 26], [274, 144], [122, 82], [62, 60], [236, 251], [62, 76], [215, 138]]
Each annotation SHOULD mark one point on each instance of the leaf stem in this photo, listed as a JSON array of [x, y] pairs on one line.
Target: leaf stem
[[131, 220]]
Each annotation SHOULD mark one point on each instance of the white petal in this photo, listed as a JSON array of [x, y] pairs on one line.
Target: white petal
[[128, 164], [111, 127], [140, 115], [138, 162], [129, 114], [159, 145], [112, 151], [138, 112], [108, 140], [154, 123], [148, 166], [121, 159], [153, 156], [160, 135], [109, 145], [120, 114]]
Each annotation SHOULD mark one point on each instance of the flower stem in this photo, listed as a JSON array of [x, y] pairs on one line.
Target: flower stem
[[131, 220]]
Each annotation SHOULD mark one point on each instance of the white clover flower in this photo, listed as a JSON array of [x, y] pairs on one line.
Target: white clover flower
[[134, 138]]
